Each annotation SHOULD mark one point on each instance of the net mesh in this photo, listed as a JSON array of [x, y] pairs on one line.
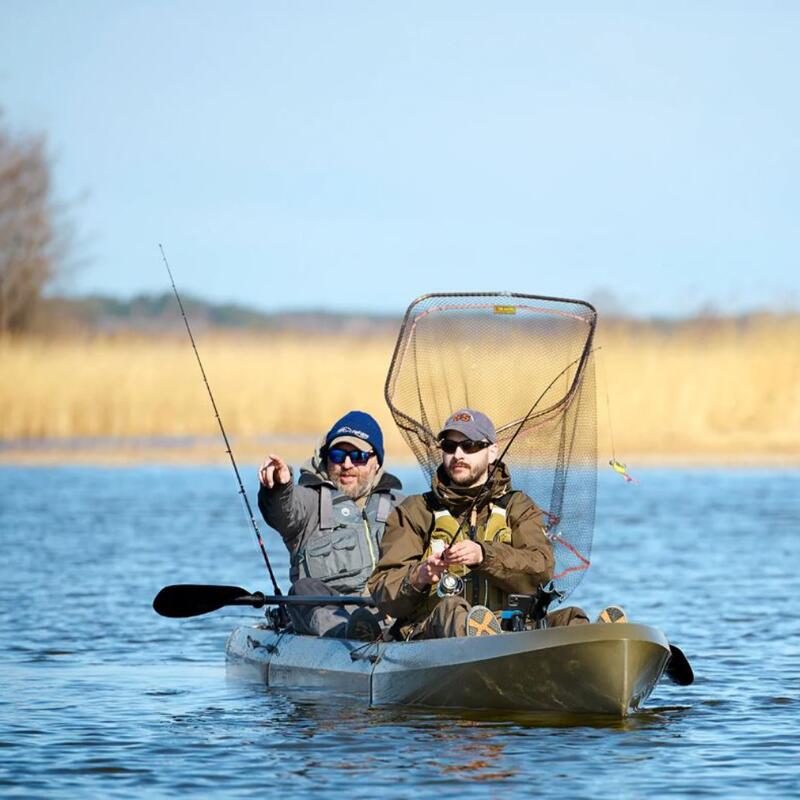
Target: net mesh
[[504, 354]]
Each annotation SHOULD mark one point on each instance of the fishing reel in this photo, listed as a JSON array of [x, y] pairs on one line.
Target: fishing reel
[[449, 585]]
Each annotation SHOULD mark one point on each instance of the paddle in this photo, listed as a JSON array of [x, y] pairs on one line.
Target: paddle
[[678, 669], [192, 600]]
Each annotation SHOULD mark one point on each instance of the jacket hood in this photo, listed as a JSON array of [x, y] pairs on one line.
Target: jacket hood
[[459, 498]]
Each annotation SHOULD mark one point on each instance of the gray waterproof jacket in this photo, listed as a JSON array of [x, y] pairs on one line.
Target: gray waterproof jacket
[[327, 534]]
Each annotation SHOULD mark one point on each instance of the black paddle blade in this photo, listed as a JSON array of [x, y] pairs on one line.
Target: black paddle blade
[[191, 600], [678, 669]]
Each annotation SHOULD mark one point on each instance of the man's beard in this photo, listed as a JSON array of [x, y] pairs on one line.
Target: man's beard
[[465, 478], [357, 489]]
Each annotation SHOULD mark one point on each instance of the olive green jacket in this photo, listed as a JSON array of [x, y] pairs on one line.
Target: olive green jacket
[[519, 567]]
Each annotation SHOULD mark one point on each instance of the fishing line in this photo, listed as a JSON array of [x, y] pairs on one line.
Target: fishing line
[[608, 407], [617, 466], [222, 428], [485, 488]]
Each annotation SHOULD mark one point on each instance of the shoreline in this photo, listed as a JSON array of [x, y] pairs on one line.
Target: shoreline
[[210, 451]]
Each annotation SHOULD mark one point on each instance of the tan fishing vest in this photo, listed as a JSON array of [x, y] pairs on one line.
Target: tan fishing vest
[[477, 590]]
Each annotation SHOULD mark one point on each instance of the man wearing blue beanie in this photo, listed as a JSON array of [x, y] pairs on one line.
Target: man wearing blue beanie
[[332, 522]]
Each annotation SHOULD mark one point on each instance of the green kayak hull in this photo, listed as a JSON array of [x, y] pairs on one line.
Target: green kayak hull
[[582, 669]]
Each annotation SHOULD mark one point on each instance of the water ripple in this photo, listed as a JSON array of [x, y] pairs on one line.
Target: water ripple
[[103, 698]]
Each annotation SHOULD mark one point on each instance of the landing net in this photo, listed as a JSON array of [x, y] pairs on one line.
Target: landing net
[[503, 354]]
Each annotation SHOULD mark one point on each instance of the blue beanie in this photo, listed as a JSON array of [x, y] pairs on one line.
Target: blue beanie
[[358, 425]]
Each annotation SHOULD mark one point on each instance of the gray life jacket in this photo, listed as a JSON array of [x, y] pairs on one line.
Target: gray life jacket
[[344, 549]]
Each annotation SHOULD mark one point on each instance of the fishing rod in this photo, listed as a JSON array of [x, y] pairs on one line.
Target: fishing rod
[[222, 429], [485, 488]]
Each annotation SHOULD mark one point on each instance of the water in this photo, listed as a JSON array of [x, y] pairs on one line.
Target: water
[[103, 698]]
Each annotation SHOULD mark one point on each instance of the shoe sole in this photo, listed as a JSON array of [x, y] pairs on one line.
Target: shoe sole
[[482, 622], [612, 614]]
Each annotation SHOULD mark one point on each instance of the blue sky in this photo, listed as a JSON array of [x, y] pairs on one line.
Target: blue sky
[[356, 155]]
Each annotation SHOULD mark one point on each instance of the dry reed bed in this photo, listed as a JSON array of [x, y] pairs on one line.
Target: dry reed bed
[[718, 388]]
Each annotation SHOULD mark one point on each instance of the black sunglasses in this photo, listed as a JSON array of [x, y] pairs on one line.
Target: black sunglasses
[[449, 446], [338, 456]]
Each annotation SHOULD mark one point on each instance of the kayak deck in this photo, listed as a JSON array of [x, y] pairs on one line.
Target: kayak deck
[[580, 669]]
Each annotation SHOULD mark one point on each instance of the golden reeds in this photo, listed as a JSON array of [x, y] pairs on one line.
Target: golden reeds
[[718, 387], [722, 388]]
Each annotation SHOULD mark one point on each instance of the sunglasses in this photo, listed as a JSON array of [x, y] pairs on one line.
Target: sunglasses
[[358, 457], [469, 447]]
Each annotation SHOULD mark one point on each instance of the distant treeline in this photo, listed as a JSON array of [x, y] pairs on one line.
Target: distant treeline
[[159, 313]]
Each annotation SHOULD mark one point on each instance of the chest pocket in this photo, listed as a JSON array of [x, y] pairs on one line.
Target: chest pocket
[[338, 549], [497, 529], [333, 554]]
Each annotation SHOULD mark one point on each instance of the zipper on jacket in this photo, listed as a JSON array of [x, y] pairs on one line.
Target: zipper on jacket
[[486, 582], [369, 542], [473, 535]]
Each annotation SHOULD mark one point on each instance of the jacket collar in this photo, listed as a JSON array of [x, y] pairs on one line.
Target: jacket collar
[[458, 498]]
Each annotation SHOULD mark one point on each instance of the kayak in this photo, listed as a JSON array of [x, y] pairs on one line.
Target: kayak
[[580, 669], [453, 339]]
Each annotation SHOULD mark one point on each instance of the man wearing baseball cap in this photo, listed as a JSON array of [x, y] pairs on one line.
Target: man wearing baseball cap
[[332, 522], [500, 547]]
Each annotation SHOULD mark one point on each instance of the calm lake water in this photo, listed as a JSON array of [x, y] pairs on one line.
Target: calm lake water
[[103, 698]]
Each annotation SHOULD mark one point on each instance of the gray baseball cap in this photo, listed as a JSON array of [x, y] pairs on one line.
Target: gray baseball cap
[[473, 424]]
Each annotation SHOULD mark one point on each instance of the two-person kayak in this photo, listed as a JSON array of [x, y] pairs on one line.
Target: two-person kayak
[[581, 669]]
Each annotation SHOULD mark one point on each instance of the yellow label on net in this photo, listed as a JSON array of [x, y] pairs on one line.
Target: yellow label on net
[[505, 309]]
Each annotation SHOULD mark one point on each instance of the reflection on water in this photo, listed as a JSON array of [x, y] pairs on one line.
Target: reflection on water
[[102, 697]]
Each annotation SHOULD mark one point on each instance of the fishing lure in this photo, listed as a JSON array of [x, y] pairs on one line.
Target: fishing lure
[[622, 470], [617, 466]]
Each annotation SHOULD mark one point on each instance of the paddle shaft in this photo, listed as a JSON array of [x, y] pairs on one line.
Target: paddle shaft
[[228, 450], [304, 600], [257, 600]]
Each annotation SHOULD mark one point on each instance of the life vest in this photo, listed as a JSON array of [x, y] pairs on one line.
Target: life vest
[[477, 589], [344, 549]]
